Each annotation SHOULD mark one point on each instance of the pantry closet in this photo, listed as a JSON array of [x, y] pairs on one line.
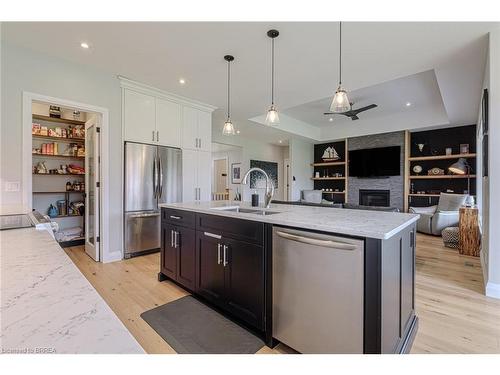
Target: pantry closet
[[58, 168]]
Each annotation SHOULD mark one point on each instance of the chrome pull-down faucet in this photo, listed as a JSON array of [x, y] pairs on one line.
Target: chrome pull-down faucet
[[268, 196]]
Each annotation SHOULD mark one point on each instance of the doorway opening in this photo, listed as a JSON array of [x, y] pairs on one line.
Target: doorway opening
[[226, 171], [62, 177]]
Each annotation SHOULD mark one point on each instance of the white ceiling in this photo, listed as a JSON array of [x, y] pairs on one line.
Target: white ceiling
[[306, 58]]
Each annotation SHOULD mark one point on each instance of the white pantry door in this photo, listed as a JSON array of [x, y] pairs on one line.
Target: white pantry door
[[92, 189]]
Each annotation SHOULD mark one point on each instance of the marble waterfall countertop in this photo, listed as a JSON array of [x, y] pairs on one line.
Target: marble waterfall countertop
[[48, 306], [362, 223]]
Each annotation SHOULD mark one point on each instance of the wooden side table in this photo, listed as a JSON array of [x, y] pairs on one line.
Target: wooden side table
[[469, 235]]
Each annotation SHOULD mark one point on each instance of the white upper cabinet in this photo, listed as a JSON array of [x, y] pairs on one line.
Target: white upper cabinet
[[168, 123], [190, 128], [157, 117], [139, 117], [205, 130], [196, 129]]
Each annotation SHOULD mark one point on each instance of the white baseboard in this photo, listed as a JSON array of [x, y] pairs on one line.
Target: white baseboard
[[493, 290], [484, 267]]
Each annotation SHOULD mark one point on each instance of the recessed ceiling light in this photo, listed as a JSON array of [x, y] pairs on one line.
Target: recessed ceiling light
[[280, 141], [182, 81], [84, 45], [238, 132], [408, 104], [330, 119]]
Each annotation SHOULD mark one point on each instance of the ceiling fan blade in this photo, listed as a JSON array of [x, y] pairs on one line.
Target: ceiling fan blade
[[329, 113], [362, 109], [354, 118]]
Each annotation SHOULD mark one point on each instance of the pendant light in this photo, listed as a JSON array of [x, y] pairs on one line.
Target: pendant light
[[272, 117], [340, 102], [228, 128]]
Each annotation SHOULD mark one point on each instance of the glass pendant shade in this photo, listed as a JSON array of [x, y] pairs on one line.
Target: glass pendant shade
[[340, 102], [272, 117], [228, 128]]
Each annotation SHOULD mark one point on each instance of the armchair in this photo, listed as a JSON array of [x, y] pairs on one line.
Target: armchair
[[434, 219]]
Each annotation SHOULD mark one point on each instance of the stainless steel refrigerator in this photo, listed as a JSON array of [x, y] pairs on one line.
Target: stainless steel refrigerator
[[153, 175]]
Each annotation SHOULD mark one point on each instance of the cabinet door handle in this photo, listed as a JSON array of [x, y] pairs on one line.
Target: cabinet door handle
[[225, 262], [157, 136], [218, 253], [153, 136], [208, 234], [171, 238], [175, 217], [176, 239], [200, 142]]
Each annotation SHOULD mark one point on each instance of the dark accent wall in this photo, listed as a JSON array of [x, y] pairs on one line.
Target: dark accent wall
[[395, 184]]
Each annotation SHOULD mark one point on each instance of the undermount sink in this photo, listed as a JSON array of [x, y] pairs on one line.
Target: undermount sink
[[245, 210]]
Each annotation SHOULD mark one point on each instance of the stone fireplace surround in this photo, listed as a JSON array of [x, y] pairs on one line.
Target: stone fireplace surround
[[395, 184]]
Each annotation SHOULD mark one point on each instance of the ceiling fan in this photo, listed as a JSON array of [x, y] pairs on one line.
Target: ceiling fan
[[353, 113]]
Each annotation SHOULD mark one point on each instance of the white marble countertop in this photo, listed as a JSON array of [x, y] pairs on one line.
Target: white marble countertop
[[362, 223], [47, 305]]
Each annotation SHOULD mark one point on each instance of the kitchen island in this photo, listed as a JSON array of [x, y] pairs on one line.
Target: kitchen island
[[319, 279], [48, 306]]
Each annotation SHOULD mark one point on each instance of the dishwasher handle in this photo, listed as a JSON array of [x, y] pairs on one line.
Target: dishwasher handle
[[317, 242]]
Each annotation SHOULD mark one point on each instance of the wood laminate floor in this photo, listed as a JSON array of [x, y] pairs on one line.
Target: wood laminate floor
[[455, 316]]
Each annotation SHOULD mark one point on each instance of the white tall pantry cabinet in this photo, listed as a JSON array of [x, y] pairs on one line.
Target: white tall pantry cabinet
[[156, 117]]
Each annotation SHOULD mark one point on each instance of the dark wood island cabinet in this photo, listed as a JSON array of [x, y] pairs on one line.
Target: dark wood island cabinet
[[226, 262]]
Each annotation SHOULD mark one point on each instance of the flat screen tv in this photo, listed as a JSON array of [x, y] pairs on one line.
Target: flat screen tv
[[375, 162]]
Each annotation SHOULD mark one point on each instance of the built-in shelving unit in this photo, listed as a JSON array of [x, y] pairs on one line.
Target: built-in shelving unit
[[58, 156], [332, 174], [57, 139], [423, 189], [441, 176], [47, 191], [65, 121], [441, 157]]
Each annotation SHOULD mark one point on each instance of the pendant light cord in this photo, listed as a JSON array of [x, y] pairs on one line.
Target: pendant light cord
[[272, 73], [340, 55], [228, 88]]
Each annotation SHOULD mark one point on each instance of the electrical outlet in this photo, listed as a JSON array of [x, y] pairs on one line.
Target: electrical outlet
[[12, 186]]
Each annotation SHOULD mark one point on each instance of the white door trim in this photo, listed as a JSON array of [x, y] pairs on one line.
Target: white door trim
[[28, 98]]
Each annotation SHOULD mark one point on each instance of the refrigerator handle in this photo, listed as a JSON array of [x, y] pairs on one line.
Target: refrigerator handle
[[160, 173], [154, 178]]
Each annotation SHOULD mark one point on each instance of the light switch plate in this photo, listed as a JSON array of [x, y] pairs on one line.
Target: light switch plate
[[12, 186]]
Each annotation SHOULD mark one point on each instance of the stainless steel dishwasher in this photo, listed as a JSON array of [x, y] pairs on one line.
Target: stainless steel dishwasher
[[317, 291]]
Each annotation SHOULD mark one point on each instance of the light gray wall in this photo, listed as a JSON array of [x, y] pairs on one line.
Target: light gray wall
[[393, 183], [301, 156], [25, 70], [492, 199]]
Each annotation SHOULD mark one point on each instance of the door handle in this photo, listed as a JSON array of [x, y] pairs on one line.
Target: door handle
[[160, 174], [171, 238], [142, 216], [208, 234], [155, 187], [225, 262], [218, 253], [317, 242], [176, 239]]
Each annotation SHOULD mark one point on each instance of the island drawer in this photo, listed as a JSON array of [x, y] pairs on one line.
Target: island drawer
[[240, 229], [178, 217]]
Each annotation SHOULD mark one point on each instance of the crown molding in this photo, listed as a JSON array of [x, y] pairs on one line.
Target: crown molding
[[143, 88]]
